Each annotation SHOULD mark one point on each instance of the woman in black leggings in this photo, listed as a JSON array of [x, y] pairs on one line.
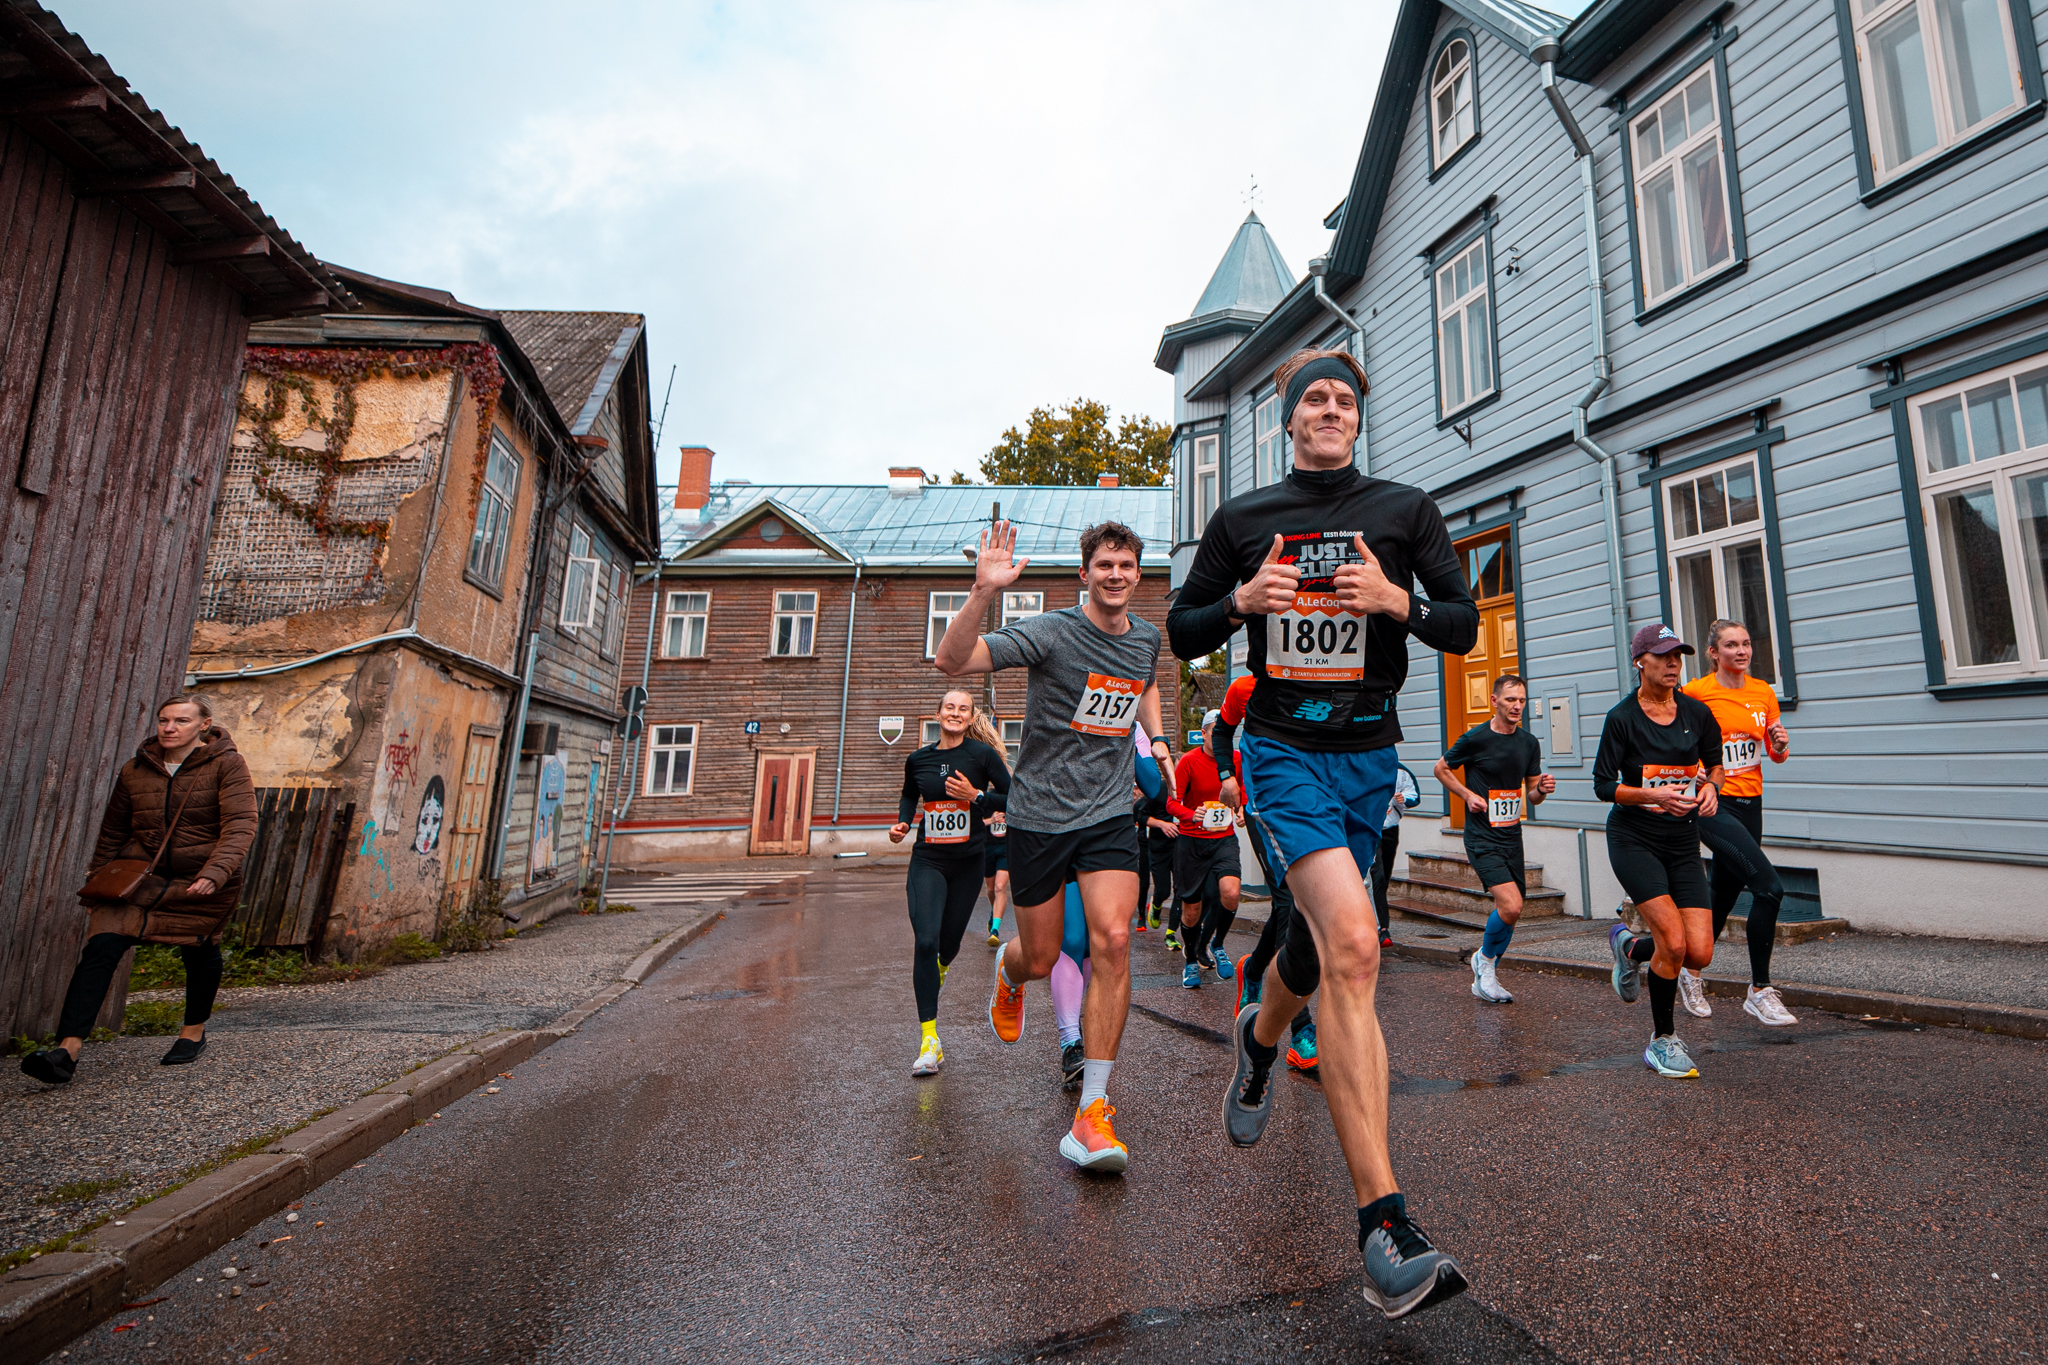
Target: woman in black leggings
[[959, 780], [1660, 764]]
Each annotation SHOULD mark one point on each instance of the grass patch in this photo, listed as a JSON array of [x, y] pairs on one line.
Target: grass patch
[[159, 966], [474, 925], [78, 1191], [20, 1045], [413, 948], [152, 1018]]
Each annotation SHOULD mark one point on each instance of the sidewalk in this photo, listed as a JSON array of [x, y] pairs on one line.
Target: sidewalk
[[126, 1127]]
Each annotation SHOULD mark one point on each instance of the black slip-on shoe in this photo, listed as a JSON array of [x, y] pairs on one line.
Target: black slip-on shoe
[[51, 1066], [183, 1051]]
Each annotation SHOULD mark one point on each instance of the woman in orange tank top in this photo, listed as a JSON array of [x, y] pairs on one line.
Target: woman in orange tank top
[[1747, 710]]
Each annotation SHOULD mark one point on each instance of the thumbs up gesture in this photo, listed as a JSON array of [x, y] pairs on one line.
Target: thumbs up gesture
[[1270, 590], [1363, 587]]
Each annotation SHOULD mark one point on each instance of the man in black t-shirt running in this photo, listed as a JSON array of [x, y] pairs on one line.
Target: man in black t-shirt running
[[1504, 780]]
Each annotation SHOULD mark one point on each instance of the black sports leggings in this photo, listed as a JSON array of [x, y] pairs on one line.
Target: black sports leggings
[[1215, 922], [942, 895], [95, 973], [1273, 937], [1383, 874], [1736, 833]]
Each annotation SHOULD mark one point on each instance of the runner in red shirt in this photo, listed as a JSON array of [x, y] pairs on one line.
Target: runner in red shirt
[[1206, 869]]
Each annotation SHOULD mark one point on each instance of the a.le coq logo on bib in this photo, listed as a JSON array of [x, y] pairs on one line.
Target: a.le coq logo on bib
[[945, 822], [1504, 809], [1741, 751], [1108, 706]]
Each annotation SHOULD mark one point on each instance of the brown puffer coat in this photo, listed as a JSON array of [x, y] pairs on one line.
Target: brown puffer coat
[[212, 838]]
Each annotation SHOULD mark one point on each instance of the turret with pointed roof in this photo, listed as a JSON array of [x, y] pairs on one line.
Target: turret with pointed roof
[[1251, 278]]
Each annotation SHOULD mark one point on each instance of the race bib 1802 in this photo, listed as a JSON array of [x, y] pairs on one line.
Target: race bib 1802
[[945, 822], [1741, 751], [1317, 640], [1504, 809], [1108, 706]]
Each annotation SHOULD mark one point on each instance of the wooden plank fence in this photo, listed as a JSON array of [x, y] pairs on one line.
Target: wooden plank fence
[[288, 882]]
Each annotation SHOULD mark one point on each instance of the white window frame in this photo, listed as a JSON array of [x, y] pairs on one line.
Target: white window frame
[[579, 581], [1448, 303], [940, 609], [615, 595], [685, 610], [1270, 441], [1937, 68], [1012, 732], [799, 610], [1718, 545], [1672, 160], [928, 733], [1205, 483], [681, 738], [497, 496], [1979, 468], [1022, 606], [1444, 78], [1081, 598]]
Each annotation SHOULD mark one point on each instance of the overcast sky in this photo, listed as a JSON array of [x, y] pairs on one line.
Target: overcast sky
[[863, 234]]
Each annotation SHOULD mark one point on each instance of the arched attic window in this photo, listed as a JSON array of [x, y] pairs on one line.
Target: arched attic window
[[1453, 99]]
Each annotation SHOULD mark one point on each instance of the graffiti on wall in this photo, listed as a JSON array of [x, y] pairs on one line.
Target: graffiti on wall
[[547, 814], [433, 807]]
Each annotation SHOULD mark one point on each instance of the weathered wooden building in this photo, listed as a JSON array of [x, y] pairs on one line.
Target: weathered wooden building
[[130, 267], [1703, 309], [793, 633], [365, 613], [599, 518]]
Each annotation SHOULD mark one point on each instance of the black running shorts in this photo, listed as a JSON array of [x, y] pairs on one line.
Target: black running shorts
[[1649, 865], [1195, 861], [1042, 864], [1496, 856], [995, 856]]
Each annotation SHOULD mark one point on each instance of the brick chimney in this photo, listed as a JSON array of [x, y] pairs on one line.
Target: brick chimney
[[693, 481], [1105, 480], [906, 481]]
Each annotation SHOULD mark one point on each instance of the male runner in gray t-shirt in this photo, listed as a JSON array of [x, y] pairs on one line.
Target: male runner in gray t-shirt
[[1091, 678]]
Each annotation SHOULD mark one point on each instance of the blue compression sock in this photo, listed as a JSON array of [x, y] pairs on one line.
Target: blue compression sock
[[1498, 934]]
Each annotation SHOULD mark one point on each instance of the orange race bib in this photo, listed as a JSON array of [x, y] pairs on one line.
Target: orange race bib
[[1504, 809], [1215, 816], [1108, 706], [1669, 775], [946, 822]]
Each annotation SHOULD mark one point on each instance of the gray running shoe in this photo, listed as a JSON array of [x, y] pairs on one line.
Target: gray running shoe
[[1404, 1273], [1248, 1104], [1070, 1066], [1627, 977], [1667, 1057]]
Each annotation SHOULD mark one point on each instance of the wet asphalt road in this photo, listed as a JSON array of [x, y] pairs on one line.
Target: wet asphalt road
[[734, 1164]]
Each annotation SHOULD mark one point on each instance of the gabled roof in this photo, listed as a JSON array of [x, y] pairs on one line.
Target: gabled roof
[[869, 525], [819, 543], [1249, 280], [579, 356]]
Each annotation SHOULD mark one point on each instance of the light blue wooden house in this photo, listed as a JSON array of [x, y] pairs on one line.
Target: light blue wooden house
[[1685, 310]]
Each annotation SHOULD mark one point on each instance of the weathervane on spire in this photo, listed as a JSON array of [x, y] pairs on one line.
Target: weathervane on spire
[[1251, 194]]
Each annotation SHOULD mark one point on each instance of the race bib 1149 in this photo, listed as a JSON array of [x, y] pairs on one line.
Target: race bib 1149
[[1108, 706], [945, 822], [1504, 809], [1741, 751]]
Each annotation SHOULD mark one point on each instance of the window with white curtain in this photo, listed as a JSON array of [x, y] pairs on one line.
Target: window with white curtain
[[1982, 450], [1719, 559], [1683, 218], [671, 759], [796, 622], [1464, 331], [1933, 72], [683, 625]]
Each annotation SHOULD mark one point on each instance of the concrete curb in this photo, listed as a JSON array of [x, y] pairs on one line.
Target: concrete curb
[[55, 1298], [2015, 1021]]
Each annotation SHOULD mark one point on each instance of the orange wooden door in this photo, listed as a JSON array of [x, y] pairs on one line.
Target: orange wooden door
[[472, 809], [782, 803], [1468, 680]]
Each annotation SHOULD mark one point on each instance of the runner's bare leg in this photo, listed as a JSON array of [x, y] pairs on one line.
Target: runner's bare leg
[[1107, 900]]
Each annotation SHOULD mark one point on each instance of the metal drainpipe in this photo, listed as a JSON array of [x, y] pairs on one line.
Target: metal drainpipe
[[1603, 370], [1316, 269], [633, 758], [845, 682]]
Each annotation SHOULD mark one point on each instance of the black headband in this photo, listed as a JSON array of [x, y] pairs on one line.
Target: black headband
[[1324, 367]]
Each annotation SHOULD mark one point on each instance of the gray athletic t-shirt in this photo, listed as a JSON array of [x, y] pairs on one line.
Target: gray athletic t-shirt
[[1074, 768]]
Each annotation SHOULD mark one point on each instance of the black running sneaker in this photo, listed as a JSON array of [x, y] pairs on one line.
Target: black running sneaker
[[1248, 1104], [1403, 1272], [1070, 1066], [183, 1052]]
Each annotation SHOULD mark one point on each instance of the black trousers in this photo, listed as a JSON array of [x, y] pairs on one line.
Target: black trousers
[[1736, 833], [1280, 916], [95, 973], [1159, 857], [1383, 873], [942, 894]]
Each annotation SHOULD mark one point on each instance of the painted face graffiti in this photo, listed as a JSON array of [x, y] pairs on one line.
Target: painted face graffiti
[[427, 834]]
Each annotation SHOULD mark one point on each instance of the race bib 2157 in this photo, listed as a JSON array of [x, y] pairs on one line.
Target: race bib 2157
[[1108, 705]]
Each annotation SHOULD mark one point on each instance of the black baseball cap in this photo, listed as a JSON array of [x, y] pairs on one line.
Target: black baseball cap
[[1658, 639]]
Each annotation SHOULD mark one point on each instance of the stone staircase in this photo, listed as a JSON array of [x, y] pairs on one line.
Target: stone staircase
[[1442, 886]]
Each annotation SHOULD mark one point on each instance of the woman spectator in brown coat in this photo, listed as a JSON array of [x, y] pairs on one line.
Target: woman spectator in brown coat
[[190, 783]]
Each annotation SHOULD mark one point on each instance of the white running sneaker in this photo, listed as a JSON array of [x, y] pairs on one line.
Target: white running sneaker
[[1770, 1011], [1485, 984], [1692, 995], [929, 1059]]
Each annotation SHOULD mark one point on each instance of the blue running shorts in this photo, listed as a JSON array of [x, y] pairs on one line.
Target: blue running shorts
[[1302, 802]]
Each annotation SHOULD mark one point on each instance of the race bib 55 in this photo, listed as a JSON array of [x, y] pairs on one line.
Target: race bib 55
[[945, 822], [1215, 816], [1108, 706]]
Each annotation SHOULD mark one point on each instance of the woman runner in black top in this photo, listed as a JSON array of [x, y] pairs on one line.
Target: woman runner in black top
[[960, 780], [1660, 764]]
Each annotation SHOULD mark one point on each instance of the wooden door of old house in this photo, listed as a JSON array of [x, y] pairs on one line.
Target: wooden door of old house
[[1468, 680], [472, 812], [782, 802]]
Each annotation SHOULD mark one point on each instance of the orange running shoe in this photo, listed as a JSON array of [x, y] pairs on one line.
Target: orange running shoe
[[1301, 1053], [1006, 1008], [1091, 1144]]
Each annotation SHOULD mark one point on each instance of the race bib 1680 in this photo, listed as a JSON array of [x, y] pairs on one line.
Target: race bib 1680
[[945, 822], [1108, 706]]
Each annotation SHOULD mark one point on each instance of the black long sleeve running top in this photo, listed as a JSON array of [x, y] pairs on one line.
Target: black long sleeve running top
[[1325, 684], [951, 826]]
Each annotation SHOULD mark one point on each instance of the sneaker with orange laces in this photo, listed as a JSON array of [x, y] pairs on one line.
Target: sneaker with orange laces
[[1092, 1144], [1006, 1008]]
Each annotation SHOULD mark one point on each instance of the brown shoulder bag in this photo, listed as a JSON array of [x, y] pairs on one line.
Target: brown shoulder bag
[[122, 878]]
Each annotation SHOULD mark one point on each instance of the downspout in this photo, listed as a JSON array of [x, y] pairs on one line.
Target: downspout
[[633, 758], [1317, 268], [845, 683], [1603, 369]]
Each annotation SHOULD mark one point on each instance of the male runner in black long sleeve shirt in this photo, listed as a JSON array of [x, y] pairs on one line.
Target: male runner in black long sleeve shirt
[[1320, 569]]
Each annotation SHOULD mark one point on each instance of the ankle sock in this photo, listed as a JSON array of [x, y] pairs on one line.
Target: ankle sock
[[1498, 934], [1663, 995], [1094, 1080], [1641, 948], [1262, 1056], [929, 1031]]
